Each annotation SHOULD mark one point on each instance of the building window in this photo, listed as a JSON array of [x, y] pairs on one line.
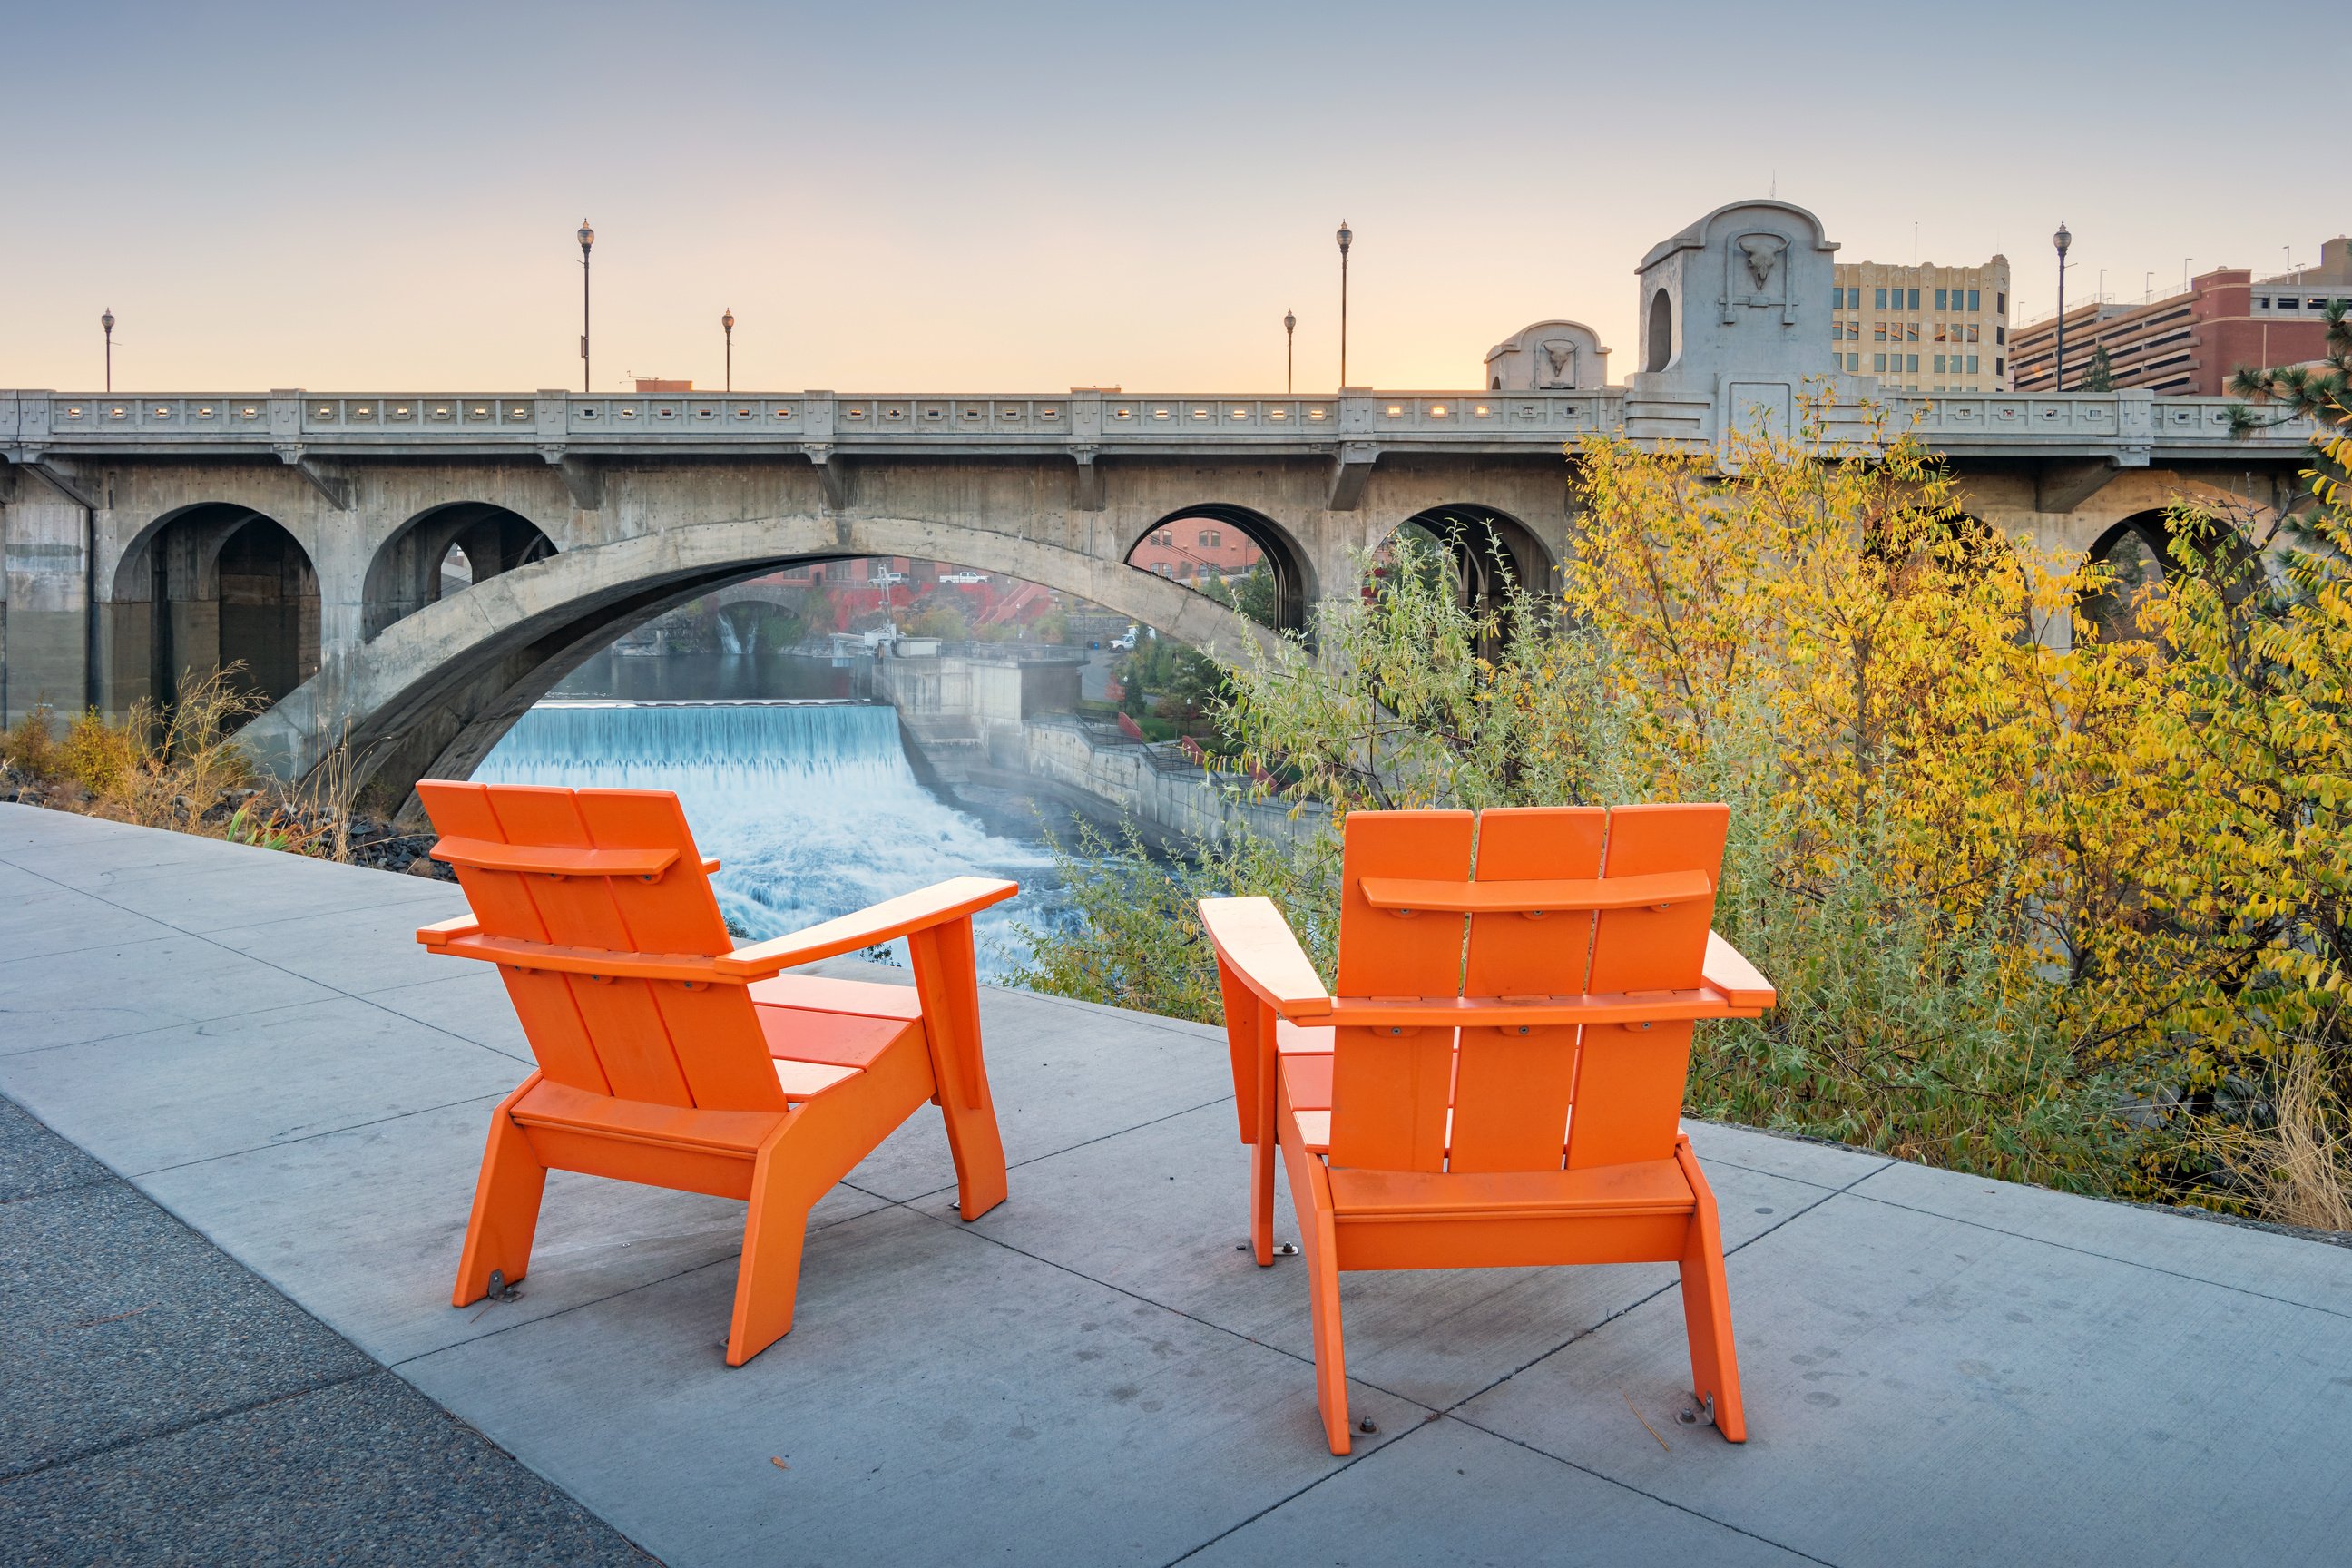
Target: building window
[[1878, 363], [2264, 301], [2000, 334], [2001, 302], [1911, 332], [1882, 300], [1210, 539], [1914, 300], [1974, 303], [1972, 364], [1997, 365], [1942, 299], [1911, 363], [1939, 365], [1877, 331]]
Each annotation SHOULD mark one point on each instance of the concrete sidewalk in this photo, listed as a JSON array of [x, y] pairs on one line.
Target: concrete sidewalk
[[1937, 1369]]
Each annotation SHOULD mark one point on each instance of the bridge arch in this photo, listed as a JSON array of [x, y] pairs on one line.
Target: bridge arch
[[432, 694], [223, 584], [1492, 552], [408, 571], [2136, 551], [1188, 546]]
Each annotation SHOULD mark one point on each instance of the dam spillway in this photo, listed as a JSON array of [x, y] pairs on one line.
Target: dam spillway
[[811, 807]]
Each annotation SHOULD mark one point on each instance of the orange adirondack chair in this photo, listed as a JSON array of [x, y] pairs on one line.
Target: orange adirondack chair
[[669, 1057], [1424, 1112]]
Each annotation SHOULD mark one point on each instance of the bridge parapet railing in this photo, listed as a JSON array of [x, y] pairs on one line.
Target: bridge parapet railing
[[1079, 423], [2125, 418], [1075, 419]]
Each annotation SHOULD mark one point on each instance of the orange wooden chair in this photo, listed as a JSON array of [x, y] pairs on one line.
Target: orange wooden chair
[[668, 1055], [1424, 1112]]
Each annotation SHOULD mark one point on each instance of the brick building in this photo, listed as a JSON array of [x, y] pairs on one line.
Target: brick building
[[1196, 549], [2189, 343]]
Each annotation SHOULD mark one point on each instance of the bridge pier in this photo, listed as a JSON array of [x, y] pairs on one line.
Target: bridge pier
[[46, 641]]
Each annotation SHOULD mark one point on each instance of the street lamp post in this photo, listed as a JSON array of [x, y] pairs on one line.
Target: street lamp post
[[726, 322], [1289, 351], [587, 238], [107, 321], [1347, 237], [2062, 239]]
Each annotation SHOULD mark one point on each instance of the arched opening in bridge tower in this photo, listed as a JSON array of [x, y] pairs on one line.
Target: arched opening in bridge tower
[[220, 585], [1236, 556], [444, 551], [1661, 333]]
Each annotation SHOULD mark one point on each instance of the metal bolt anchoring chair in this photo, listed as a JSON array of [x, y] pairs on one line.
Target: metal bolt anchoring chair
[[1495, 1080]]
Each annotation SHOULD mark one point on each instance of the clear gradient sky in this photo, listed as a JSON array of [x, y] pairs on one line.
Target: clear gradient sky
[[1028, 197]]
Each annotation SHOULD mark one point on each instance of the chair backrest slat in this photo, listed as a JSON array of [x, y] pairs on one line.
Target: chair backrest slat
[[654, 1040], [1630, 1077], [1511, 1089], [1390, 1092]]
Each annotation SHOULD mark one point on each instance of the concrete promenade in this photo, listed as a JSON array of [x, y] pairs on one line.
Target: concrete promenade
[[1939, 1369]]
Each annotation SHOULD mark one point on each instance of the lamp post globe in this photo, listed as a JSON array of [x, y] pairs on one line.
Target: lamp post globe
[[2060, 240], [1290, 350], [727, 325], [106, 321]]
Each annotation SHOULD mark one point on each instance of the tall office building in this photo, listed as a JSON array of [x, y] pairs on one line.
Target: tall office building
[[1923, 327], [2187, 344]]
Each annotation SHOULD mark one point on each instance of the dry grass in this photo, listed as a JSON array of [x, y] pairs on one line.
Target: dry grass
[[2307, 1171], [2298, 1169]]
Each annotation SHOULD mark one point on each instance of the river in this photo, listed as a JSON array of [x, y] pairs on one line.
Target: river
[[807, 799]]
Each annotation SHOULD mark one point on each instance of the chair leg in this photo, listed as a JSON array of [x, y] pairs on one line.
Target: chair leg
[[506, 1210], [1261, 1155], [950, 986], [1707, 1310], [1267, 1102], [768, 1278], [1310, 1190]]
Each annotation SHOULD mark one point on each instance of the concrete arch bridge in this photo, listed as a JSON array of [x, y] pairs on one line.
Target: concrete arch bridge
[[405, 575]]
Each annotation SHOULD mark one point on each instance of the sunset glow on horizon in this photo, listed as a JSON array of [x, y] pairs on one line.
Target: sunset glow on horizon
[[948, 200]]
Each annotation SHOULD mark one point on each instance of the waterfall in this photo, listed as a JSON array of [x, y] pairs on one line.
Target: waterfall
[[810, 806], [728, 641]]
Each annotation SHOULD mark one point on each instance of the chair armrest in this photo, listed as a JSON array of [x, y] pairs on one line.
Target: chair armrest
[[1257, 945], [1742, 984], [442, 932], [958, 898]]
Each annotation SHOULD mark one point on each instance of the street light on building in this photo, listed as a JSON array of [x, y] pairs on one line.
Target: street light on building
[[726, 322], [1289, 351], [2062, 239], [107, 321], [587, 238], [1347, 237]]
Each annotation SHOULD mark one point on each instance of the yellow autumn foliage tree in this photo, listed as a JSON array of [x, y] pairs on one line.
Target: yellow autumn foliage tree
[[2043, 901]]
